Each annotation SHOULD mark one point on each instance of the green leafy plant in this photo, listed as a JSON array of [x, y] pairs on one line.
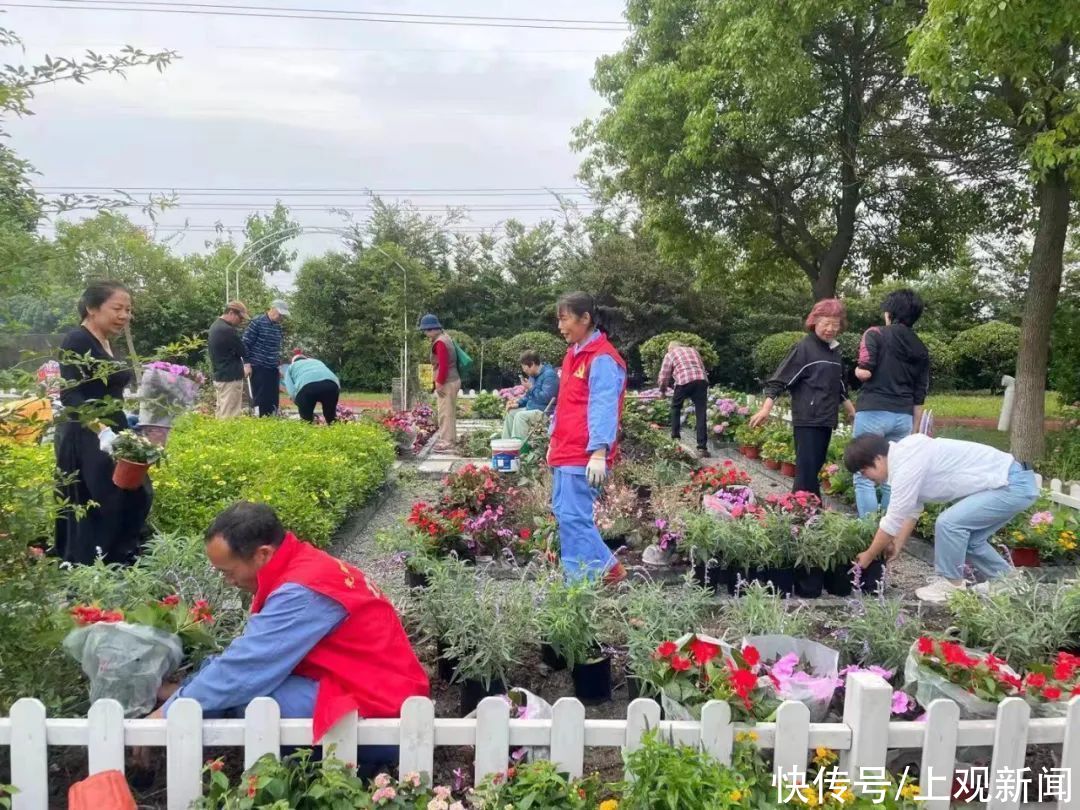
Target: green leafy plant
[[877, 631], [749, 436], [828, 539], [573, 618], [476, 444], [487, 406], [536, 785], [130, 446], [761, 611]]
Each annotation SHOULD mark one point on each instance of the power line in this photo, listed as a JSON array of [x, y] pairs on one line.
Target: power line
[[329, 48], [261, 207], [330, 17], [210, 191]]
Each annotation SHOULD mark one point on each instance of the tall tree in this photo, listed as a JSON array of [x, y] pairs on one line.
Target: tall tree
[[793, 120], [1016, 66], [265, 239]]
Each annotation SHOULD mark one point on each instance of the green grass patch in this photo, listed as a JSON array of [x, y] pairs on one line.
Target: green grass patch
[[364, 396], [313, 477], [990, 436], [963, 405]]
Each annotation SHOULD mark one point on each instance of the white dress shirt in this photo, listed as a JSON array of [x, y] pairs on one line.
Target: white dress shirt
[[924, 470]]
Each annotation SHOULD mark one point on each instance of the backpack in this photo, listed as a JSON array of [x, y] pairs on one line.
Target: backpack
[[464, 362]]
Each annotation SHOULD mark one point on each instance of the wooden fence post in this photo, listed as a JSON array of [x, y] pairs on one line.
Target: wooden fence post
[[29, 755], [492, 737], [568, 736], [262, 730], [417, 740], [105, 737], [867, 708], [183, 753]]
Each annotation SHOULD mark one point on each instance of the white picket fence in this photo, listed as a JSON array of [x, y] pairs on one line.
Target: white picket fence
[[1059, 495], [863, 739]]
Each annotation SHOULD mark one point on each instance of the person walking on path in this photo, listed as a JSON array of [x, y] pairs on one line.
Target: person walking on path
[[227, 366], [894, 366], [813, 374], [683, 365], [262, 347], [986, 487], [114, 521], [542, 384], [584, 436], [308, 382], [447, 380]]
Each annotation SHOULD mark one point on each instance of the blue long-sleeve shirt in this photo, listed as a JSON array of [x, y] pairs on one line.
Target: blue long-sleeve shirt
[[545, 387], [262, 342], [606, 380], [307, 370], [259, 663]]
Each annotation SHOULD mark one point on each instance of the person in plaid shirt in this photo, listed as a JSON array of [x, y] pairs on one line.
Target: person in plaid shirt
[[683, 366]]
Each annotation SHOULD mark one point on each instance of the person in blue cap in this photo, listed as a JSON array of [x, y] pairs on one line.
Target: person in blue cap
[[447, 380]]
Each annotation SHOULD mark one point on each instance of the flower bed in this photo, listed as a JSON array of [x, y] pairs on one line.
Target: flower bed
[[312, 478]]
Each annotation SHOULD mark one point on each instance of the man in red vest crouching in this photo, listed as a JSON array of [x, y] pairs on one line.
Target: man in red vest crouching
[[321, 639]]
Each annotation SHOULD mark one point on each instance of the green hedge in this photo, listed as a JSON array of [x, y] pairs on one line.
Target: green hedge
[[985, 353], [552, 349], [942, 362], [314, 477], [654, 349], [772, 350]]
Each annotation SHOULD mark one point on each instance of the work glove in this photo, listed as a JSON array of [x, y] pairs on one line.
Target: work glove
[[106, 439], [596, 471]]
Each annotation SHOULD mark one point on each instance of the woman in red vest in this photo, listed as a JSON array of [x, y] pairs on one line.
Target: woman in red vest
[[584, 433]]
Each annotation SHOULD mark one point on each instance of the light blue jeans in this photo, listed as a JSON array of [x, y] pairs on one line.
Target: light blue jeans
[[582, 549], [894, 427], [963, 531]]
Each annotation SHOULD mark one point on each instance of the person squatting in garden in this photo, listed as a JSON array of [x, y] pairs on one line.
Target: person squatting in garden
[[542, 386], [262, 345], [986, 487], [894, 367], [227, 366], [321, 639], [683, 366], [308, 382], [584, 435], [447, 380], [813, 374], [112, 522]]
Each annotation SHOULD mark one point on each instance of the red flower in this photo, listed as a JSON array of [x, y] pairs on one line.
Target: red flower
[[743, 681], [201, 612], [253, 785], [751, 656], [511, 773], [525, 534], [112, 616], [954, 654], [1011, 680], [703, 651], [667, 649], [171, 601], [1036, 680], [926, 646], [1052, 693], [215, 764], [680, 664]]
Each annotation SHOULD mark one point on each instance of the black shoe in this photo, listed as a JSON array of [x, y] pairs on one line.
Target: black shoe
[[703, 452]]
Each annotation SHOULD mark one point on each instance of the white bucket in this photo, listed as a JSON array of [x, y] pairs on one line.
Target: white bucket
[[505, 455]]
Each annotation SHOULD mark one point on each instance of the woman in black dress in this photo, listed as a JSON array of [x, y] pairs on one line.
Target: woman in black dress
[[112, 528]]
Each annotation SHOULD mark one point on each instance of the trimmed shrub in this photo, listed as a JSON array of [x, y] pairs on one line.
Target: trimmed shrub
[[552, 349], [312, 476], [942, 364], [984, 353], [654, 349], [1065, 350], [772, 350]]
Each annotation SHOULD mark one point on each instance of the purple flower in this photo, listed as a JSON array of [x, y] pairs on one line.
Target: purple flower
[[901, 702], [1040, 518]]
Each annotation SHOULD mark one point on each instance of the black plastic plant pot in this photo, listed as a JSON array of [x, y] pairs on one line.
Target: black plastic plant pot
[[735, 576], [552, 658], [615, 543], [710, 575], [592, 681], [838, 580], [809, 582], [472, 692], [447, 666], [644, 492], [871, 577], [782, 579], [416, 579]]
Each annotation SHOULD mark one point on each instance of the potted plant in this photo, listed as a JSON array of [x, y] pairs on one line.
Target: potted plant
[[701, 542], [493, 623], [775, 559], [165, 391], [744, 544], [1041, 535], [749, 439], [855, 535], [133, 454], [787, 461], [435, 607], [820, 547], [573, 621], [771, 453]]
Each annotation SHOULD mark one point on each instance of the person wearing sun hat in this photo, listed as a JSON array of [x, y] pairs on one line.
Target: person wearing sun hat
[[262, 344], [447, 379]]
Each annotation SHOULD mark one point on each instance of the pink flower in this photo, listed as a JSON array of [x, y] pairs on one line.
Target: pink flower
[[442, 792], [413, 778], [382, 780], [785, 667], [901, 701], [1042, 517], [386, 793]]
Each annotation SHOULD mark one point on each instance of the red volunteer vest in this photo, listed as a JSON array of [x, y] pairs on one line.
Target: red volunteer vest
[[570, 440], [366, 663]]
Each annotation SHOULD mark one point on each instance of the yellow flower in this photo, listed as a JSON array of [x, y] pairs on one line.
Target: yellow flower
[[909, 791], [746, 736], [824, 756], [736, 795], [609, 804]]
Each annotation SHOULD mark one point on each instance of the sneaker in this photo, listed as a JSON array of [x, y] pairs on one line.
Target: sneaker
[[615, 574], [656, 556], [938, 591], [703, 452]]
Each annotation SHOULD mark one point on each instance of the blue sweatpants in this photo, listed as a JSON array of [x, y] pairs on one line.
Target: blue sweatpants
[[583, 551]]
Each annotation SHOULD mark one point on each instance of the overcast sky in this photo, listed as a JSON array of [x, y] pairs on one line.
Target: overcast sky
[[295, 104]]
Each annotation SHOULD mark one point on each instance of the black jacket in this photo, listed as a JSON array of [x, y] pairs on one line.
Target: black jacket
[[901, 367], [814, 375], [226, 352]]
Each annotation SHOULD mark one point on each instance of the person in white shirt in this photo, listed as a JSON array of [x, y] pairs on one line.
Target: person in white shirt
[[987, 489]]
